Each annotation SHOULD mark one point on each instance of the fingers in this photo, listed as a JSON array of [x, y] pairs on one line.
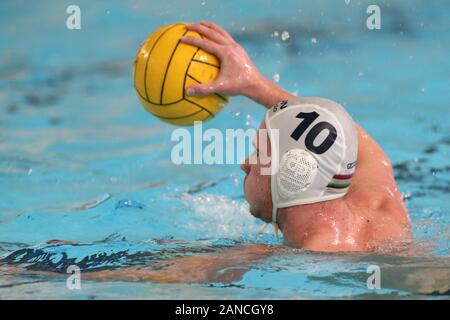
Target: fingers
[[217, 28], [204, 89], [211, 34], [204, 44]]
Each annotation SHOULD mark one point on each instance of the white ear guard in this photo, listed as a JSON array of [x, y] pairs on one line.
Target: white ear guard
[[297, 170]]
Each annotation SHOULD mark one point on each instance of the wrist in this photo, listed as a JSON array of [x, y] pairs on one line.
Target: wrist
[[265, 92], [256, 85]]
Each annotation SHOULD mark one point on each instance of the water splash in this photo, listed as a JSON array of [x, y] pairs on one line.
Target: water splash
[[285, 35], [219, 216], [276, 77]]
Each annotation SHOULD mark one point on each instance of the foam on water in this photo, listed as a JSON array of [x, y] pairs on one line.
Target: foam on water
[[219, 216]]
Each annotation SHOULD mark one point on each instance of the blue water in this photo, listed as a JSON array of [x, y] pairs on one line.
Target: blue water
[[82, 161]]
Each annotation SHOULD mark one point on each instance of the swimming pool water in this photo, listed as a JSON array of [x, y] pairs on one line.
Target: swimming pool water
[[82, 161]]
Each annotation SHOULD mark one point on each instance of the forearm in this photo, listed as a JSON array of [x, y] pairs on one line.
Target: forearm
[[225, 266], [267, 93]]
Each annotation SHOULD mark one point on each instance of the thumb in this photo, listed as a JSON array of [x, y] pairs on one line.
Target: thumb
[[203, 89]]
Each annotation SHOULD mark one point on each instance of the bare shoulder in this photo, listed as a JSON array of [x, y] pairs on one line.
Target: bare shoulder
[[373, 185], [374, 194], [373, 165]]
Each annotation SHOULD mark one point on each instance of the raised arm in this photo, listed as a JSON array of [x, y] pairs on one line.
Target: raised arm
[[238, 74]]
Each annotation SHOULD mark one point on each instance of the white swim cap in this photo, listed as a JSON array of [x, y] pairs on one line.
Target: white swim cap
[[314, 157]]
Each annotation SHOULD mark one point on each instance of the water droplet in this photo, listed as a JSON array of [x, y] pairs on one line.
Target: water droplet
[[406, 195], [30, 171], [237, 114], [203, 3], [314, 40], [248, 120], [347, 2], [284, 35], [275, 34], [360, 74], [276, 77]]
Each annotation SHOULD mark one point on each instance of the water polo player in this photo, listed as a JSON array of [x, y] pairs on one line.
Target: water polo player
[[332, 187]]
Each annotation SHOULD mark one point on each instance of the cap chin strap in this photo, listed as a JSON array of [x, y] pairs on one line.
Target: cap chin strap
[[274, 222], [274, 213], [274, 193], [263, 228], [273, 162]]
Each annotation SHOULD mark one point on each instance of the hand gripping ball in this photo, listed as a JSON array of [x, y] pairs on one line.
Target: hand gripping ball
[[165, 67]]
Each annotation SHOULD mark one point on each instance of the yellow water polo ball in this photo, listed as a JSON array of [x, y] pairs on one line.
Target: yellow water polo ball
[[165, 67]]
